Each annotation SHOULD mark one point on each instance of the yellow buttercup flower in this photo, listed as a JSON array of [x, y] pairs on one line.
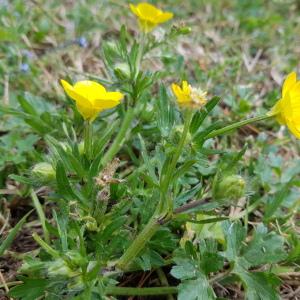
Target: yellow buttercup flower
[[91, 98], [287, 109], [149, 16], [188, 96]]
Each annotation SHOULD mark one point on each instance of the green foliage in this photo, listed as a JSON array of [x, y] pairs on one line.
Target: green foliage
[[149, 199]]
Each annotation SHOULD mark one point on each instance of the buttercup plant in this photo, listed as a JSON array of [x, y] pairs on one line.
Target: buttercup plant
[[136, 198]]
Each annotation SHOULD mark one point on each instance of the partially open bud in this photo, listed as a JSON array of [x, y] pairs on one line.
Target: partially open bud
[[229, 189], [43, 172], [91, 225]]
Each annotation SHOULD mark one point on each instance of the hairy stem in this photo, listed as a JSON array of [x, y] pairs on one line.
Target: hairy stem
[[120, 138], [129, 291], [170, 170], [160, 214], [237, 125], [139, 243]]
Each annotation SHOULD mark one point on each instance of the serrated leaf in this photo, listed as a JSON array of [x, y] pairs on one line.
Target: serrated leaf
[[30, 289], [186, 270], [211, 262], [198, 289], [276, 202], [234, 234], [264, 248], [258, 285]]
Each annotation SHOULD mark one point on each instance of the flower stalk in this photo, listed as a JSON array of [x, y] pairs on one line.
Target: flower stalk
[[120, 138], [170, 170], [88, 139], [130, 291], [237, 125], [139, 243], [161, 214]]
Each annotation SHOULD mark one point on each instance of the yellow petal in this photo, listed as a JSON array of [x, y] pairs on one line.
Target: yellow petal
[[277, 110], [293, 129], [148, 11], [88, 113], [108, 100], [295, 90], [70, 91], [134, 9], [185, 87], [289, 82], [89, 89], [115, 96], [176, 90], [164, 17], [105, 104]]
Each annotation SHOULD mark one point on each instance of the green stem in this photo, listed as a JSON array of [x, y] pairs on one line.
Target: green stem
[[164, 281], [140, 54], [167, 178], [159, 215], [41, 215], [120, 138], [139, 243], [45, 246], [88, 136], [130, 291], [237, 125]]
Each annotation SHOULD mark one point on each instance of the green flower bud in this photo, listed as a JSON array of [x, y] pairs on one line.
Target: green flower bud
[[230, 188], [43, 172], [111, 47], [91, 223], [180, 30], [185, 30], [122, 71]]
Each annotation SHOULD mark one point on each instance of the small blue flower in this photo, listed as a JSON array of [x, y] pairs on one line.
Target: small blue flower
[[24, 68], [82, 42], [29, 54]]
